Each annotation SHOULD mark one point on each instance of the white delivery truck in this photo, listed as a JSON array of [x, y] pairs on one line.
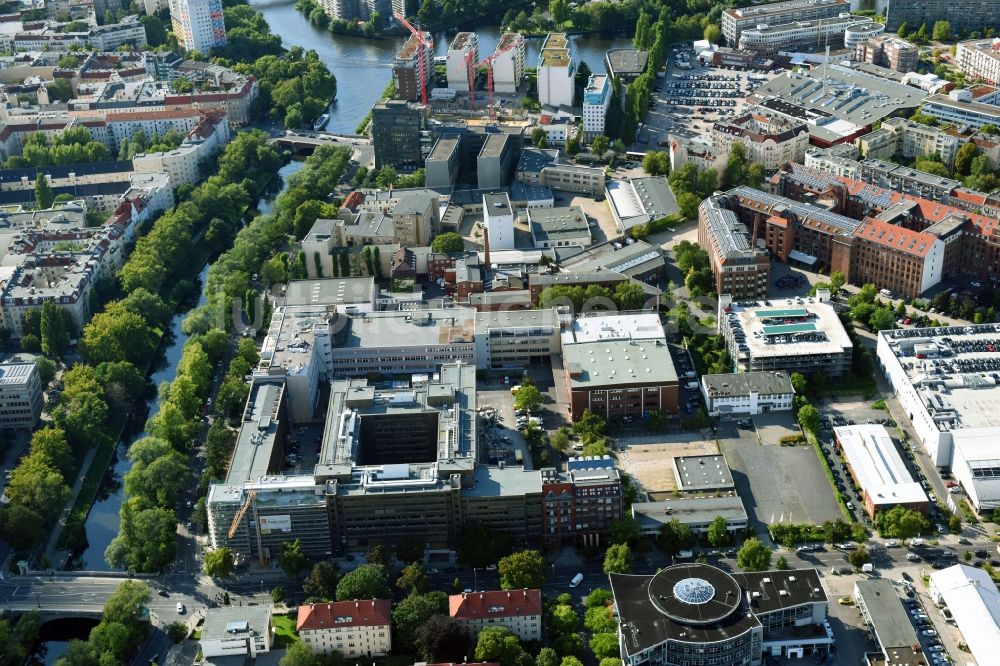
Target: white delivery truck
[[577, 579]]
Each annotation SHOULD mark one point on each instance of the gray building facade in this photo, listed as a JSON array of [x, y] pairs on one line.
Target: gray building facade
[[965, 15], [397, 128]]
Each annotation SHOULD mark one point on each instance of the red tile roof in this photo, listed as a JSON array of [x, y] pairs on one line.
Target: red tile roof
[[496, 603], [901, 239], [362, 613]]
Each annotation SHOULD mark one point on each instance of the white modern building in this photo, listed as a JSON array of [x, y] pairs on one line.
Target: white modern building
[[875, 464], [814, 35], [354, 629], [244, 631], [736, 20], [498, 218], [508, 66], [974, 602], [957, 107], [747, 393], [945, 385], [462, 52], [979, 59], [515, 338], [556, 71], [520, 611], [558, 227], [20, 396], [596, 101], [198, 24]]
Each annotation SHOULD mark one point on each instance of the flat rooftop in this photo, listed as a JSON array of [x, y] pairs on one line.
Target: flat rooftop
[[254, 452], [688, 510], [877, 466], [514, 318], [500, 482], [618, 362], [557, 224], [627, 61], [889, 620], [740, 384], [702, 472], [634, 259], [494, 145], [235, 622], [770, 331], [629, 326], [430, 327], [15, 374], [331, 291], [444, 148], [777, 8], [955, 371]]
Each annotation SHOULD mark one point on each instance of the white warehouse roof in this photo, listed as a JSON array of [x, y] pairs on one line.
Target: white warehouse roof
[[975, 604], [877, 465]]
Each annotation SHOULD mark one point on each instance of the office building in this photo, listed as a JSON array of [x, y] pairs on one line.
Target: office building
[[556, 71], [198, 24], [877, 468], [973, 600], [963, 15], [406, 69], [626, 64], [695, 512], [543, 167], [958, 108], [508, 338], [558, 227], [905, 262], [236, 631], [619, 366], [498, 218], [979, 59], [890, 51], [358, 629], [768, 139], [508, 66], [20, 396], [496, 161], [702, 474], [735, 21], [462, 61], [639, 261], [581, 505], [944, 380], [699, 615], [441, 167], [397, 127], [888, 623], [415, 219], [747, 393], [596, 100], [520, 611], [772, 38], [739, 268], [804, 335]]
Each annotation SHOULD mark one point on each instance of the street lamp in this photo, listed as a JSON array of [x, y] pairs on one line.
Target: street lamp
[[262, 587], [475, 579]]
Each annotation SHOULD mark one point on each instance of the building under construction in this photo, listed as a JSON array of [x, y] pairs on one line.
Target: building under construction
[[406, 68]]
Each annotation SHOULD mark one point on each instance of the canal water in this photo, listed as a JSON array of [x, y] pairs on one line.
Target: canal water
[[363, 67]]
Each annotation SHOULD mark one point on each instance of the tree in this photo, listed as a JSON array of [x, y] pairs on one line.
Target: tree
[[480, 546], [322, 580], [900, 523], [448, 243], [277, 595], [590, 426], [964, 156], [499, 644], [413, 612], [51, 444], [656, 162], [599, 145], [539, 137], [413, 578], [291, 559], [547, 657], [366, 582], [54, 328], [712, 33], [955, 523], [410, 549], [799, 383], [753, 556], [809, 418], [378, 554], [528, 398], [941, 32], [859, 556], [882, 319], [629, 296], [904, 30], [599, 619], [781, 564], [443, 640], [618, 559], [626, 529], [300, 654], [718, 534], [674, 537], [219, 563], [43, 192], [522, 570], [146, 541], [606, 645]]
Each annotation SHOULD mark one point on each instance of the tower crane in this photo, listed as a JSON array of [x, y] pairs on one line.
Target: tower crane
[[242, 511], [422, 43], [488, 63]]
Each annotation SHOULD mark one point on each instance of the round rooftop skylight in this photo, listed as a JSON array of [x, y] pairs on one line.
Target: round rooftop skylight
[[694, 591]]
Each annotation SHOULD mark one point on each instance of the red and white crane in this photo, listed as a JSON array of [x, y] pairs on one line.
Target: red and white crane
[[422, 43], [488, 63]]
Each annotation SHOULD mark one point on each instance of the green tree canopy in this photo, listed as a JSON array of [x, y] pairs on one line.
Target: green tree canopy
[[368, 581], [522, 570], [219, 563], [448, 243], [618, 559], [753, 555]]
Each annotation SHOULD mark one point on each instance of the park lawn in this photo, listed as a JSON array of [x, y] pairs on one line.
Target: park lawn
[[284, 630]]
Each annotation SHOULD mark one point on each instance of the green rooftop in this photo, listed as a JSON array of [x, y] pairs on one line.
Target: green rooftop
[[794, 312], [787, 329]]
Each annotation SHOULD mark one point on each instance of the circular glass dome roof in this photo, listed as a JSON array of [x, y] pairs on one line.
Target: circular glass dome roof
[[694, 591]]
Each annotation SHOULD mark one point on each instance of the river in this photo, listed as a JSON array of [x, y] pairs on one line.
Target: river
[[363, 67]]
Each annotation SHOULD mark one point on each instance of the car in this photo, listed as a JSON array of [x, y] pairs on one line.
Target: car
[[981, 554], [892, 543], [433, 571], [180, 608], [845, 601], [935, 648], [965, 542], [941, 529], [929, 632], [163, 593], [491, 567], [909, 592], [846, 546]]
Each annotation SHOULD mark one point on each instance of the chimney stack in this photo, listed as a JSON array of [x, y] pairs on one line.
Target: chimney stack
[[486, 247]]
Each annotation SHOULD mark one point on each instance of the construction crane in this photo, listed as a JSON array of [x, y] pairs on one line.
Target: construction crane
[[240, 513], [488, 63], [422, 43]]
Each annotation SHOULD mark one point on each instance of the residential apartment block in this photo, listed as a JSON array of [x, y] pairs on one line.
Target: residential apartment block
[[508, 66], [462, 60], [768, 139], [735, 21], [581, 504], [520, 611], [198, 24], [20, 396], [556, 71], [406, 69], [183, 165], [359, 629], [890, 51], [901, 136], [963, 15], [596, 100]]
